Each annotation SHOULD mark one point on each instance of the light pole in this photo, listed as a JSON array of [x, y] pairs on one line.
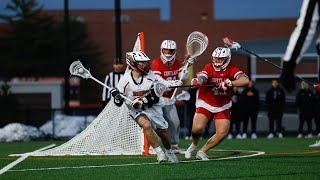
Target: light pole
[[66, 57], [117, 13]]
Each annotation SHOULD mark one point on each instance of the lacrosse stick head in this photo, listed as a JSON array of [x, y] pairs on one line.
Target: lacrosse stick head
[[230, 43], [160, 89], [197, 43], [184, 96], [77, 69]]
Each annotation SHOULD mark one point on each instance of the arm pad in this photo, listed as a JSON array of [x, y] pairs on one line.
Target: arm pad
[[151, 99]]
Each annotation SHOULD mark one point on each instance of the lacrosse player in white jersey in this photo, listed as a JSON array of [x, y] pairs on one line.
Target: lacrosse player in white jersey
[[145, 108]]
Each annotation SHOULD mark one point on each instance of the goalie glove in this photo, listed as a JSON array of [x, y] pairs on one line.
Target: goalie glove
[[139, 103], [224, 85]]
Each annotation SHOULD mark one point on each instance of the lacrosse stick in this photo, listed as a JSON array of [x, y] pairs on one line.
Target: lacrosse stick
[[232, 44], [77, 69], [197, 43]]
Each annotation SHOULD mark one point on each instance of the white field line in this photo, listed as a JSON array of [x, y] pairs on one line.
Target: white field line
[[23, 157], [257, 153]]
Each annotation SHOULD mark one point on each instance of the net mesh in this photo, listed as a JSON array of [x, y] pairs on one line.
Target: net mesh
[[113, 132]]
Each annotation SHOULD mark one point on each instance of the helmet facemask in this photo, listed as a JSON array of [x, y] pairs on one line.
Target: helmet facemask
[[221, 58], [168, 52], [135, 61]]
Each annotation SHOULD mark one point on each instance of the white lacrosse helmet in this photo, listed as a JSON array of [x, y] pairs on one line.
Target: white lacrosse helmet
[[221, 58], [168, 51], [133, 58]]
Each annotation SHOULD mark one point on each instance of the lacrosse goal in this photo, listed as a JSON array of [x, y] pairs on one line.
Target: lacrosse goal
[[113, 132]]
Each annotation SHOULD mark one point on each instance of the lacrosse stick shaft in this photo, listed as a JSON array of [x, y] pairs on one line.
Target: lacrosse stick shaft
[[232, 44], [191, 86], [183, 72], [275, 65], [109, 88]]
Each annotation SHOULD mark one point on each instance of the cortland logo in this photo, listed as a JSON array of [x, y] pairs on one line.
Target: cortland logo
[[141, 93], [216, 80], [171, 73]]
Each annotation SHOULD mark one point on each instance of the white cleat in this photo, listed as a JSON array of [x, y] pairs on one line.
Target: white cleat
[[254, 136], [270, 136], [239, 136], [189, 151], [299, 135], [317, 144], [280, 135], [202, 156], [177, 150], [172, 158], [244, 136], [309, 135], [161, 157]]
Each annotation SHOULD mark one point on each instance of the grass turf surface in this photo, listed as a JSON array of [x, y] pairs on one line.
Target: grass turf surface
[[287, 158]]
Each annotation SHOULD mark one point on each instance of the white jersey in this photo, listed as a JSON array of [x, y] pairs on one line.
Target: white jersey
[[135, 89]]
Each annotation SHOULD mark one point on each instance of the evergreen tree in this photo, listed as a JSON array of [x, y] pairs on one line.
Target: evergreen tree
[[32, 43]]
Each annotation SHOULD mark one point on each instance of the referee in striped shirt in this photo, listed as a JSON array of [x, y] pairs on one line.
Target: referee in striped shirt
[[112, 80], [306, 30]]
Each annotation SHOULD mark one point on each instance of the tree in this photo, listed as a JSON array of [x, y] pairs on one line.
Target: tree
[[32, 42]]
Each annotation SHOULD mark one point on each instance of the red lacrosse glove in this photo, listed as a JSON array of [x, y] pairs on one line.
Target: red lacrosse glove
[[317, 87], [195, 82], [224, 85]]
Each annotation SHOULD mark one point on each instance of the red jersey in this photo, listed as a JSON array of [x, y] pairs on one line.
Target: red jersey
[[209, 97], [166, 72]]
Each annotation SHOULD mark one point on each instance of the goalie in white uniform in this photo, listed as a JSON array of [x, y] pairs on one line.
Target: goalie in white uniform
[[137, 84]]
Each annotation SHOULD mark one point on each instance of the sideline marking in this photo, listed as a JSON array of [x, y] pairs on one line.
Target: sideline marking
[[257, 153], [23, 157]]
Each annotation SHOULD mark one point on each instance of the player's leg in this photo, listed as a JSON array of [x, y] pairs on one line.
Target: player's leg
[[222, 129], [171, 115], [165, 139], [254, 117], [245, 125], [146, 125], [271, 125], [200, 121], [301, 123]]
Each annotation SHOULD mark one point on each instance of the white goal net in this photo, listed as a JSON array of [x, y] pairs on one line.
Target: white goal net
[[113, 132]]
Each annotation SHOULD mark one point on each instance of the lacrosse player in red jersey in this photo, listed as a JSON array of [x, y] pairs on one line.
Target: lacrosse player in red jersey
[[145, 108], [168, 67], [214, 102]]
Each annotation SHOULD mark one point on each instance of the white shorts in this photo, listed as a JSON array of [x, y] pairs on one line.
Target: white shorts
[[155, 116]]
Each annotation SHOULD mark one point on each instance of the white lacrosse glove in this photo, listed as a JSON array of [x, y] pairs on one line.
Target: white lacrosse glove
[[191, 60], [224, 85], [183, 75], [176, 83]]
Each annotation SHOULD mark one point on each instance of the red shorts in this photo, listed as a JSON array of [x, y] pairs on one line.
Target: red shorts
[[225, 114]]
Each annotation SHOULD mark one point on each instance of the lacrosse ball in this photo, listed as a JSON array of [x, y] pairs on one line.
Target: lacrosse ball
[[80, 70]]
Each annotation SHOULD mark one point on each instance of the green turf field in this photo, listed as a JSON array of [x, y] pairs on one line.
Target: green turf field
[[287, 158]]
